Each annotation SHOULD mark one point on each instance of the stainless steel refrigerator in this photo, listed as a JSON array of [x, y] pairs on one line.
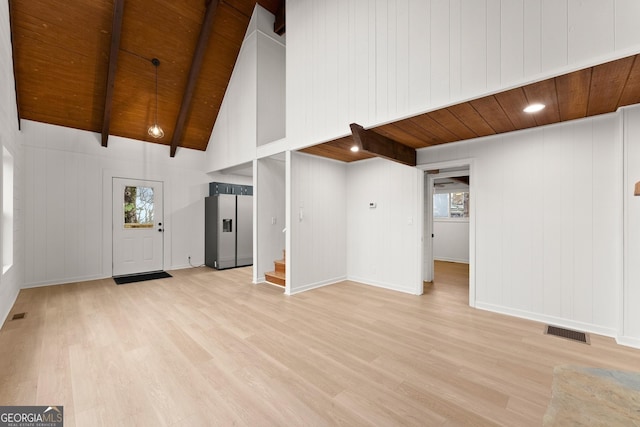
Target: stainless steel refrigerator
[[228, 231]]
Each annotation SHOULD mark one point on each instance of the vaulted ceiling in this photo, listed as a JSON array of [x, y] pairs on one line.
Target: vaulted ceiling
[[63, 55], [86, 64]]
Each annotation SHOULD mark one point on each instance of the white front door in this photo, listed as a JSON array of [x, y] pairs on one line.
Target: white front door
[[138, 226]]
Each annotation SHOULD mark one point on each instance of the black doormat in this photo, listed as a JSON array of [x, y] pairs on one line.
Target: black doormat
[[141, 277]]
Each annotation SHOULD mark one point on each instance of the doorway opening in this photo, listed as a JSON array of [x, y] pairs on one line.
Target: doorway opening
[[270, 264], [449, 227], [450, 279]]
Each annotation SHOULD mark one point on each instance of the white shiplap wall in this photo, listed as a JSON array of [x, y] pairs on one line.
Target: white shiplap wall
[[67, 213], [317, 254], [253, 110], [271, 81], [233, 138], [630, 317], [451, 241], [371, 62], [384, 242], [548, 221], [10, 138]]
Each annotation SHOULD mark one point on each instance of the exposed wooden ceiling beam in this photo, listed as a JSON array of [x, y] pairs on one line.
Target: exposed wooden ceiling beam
[[116, 32], [279, 25], [15, 80], [194, 72], [380, 145]]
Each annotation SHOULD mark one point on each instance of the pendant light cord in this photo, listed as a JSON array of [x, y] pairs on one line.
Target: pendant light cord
[[155, 63], [156, 131]]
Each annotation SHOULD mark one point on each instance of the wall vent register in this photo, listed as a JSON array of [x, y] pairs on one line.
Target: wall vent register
[[567, 333]]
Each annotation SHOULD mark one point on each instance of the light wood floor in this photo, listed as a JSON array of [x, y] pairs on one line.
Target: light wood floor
[[209, 348]]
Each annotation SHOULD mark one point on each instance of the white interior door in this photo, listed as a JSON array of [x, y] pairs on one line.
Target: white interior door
[[428, 228], [138, 226]]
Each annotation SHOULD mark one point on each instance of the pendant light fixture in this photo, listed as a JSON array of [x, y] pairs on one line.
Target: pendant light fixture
[[156, 131]]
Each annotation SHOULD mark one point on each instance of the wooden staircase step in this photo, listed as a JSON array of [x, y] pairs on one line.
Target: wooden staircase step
[[275, 277], [280, 266]]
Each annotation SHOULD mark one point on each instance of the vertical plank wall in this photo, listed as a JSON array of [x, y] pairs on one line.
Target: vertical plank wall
[[67, 213], [339, 236], [549, 224], [371, 62], [10, 138], [451, 240], [318, 226], [271, 80], [233, 138], [253, 110], [383, 243], [630, 318]]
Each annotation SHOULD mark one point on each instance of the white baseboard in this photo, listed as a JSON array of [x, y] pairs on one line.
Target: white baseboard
[[552, 320], [383, 285], [65, 281], [459, 261], [316, 285], [6, 307], [629, 341], [183, 267], [265, 282]]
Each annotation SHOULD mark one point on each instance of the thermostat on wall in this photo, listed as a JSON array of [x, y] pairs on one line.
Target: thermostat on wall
[[372, 205]]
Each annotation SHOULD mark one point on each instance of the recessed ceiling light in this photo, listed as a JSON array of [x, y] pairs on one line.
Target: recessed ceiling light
[[533, 108], [355, 149]]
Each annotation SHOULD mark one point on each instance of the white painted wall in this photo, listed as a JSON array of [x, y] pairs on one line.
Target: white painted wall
[[67, 206], [253, 110], [371, 62], [548, 205], [451, 240], [317, 254], [271, 87], [10, 138], [233, 138], [271, 215], [630, 298], [384, 242]]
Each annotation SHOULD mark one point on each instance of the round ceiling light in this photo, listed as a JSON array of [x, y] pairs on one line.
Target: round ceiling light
[[355, 149], [534, 108]]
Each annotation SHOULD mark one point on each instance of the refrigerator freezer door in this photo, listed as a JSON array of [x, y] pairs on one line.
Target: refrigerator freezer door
[[210, 231], [226, 225]]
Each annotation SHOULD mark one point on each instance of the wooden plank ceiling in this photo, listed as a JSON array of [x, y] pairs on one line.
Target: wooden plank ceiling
[[62, 53], [588, 92]]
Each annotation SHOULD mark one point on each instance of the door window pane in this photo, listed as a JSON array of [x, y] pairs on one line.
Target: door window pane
[[459, 207], [451, 205], [138, 207]]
